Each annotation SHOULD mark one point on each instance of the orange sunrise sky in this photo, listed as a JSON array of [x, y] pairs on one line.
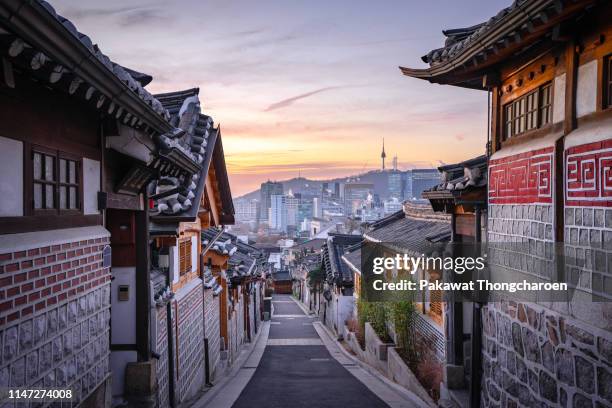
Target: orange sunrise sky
[[303, 87]]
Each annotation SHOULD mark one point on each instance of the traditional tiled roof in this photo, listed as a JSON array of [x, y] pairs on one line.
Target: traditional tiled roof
[[461, 176], [176, 195], [281, 276], [410, 234], [510, 30], [174, 101], [353, 259], [133, 79], [243, 260], [337, 272]]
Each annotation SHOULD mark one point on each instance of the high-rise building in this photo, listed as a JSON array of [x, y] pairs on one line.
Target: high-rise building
[[305, 208], [291, 204], [266, 191], [395, 185], [423, 179], [277, 214], [355, 194], [317, 210], [246, 210], [407, 181]]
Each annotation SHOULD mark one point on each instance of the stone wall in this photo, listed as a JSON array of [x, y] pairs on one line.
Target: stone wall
[[54, 314], [189, 339], [533, 356], [162, 368], [211, 329]]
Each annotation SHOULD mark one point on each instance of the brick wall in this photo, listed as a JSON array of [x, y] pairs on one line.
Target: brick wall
[[55, 316], [212, 332], [190, 343]]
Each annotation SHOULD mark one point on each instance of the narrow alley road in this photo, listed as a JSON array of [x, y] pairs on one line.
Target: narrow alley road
[[296, 363], [297, 370]]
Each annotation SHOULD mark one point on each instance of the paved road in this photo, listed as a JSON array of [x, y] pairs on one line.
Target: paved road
[[296, 369]]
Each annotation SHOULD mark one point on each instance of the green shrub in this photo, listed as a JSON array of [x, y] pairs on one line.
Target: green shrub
[[403, 315], [374, 313]]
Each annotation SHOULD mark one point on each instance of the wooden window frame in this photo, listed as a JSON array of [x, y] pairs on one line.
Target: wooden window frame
[[29, 181], [533, 112], [606, 85], [185, 253]]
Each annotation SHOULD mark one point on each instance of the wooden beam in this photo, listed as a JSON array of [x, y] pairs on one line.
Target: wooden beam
[[56, 74], [74, 85], [8, 75], [143, 286], [16, 48], [571, 79], [38, 61], [496, 119]]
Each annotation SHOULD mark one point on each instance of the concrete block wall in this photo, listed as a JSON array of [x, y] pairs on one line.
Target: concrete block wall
[[54, 312]]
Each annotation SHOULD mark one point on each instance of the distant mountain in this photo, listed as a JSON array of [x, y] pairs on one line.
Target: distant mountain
[[307, 186]]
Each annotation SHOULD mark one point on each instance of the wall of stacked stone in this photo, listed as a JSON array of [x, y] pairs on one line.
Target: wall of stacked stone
[[190, 347], [162, 368], [588, 250], [55, 316], [533, 356], [521, 236], [212, 330]]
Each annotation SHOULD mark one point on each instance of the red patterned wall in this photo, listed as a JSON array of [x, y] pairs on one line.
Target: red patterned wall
[[524, 178], [589, 175]]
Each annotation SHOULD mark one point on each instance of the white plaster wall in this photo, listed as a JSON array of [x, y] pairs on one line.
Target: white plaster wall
[[174, 264], [11, 177], [345, 310], [91, 186], [118, 362], [131, 142], [123, 314], [559, 99], [29, 240], [194, 254], [586, 88]]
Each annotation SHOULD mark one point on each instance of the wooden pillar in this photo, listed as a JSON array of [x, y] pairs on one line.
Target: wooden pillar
[[496, 120], [143, 285]]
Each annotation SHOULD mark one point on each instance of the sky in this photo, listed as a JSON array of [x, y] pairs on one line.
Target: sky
[[306, 88]]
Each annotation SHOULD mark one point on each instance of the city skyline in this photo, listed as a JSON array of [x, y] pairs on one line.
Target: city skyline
[[302, 89]]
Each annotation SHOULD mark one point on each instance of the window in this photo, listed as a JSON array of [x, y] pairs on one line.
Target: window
[[435, 305], [184, 256], [56, 182], [530, 111], [607, 78]]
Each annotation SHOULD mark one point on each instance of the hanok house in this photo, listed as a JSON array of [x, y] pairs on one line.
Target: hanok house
[[462, 194], [338, 290], [546, 66], [68, 193], [237, 268], [413, 231], [182, 205]]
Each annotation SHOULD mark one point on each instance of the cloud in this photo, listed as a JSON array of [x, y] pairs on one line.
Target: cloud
[[126, 15], [289, 101]]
